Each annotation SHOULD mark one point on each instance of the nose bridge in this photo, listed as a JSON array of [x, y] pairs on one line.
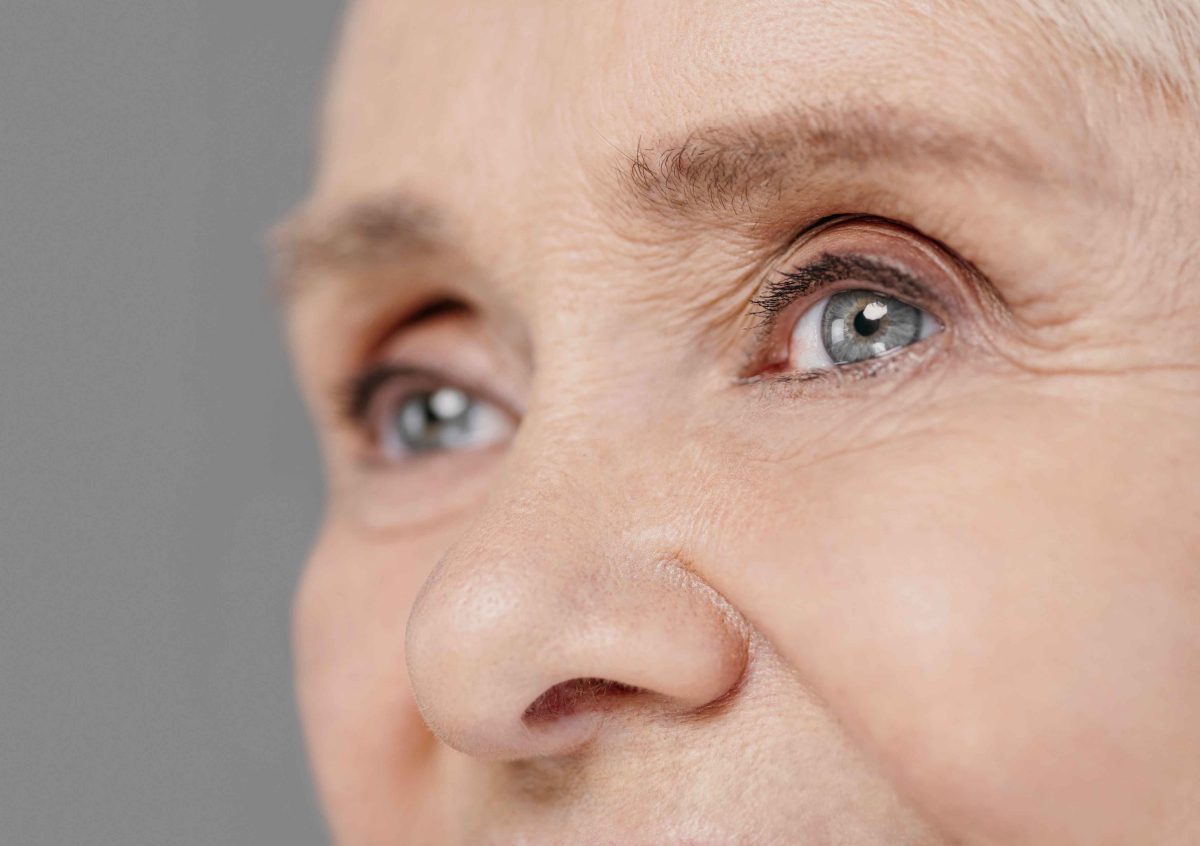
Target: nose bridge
[[557, 582], [568, 479]]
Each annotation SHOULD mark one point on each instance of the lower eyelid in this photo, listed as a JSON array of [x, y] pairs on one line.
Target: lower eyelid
[[835, 381]]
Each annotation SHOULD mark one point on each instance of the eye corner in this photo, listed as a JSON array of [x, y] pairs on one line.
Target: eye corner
[[358, 394]]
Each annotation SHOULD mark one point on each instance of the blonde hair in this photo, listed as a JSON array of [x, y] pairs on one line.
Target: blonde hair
[[1154, 42]]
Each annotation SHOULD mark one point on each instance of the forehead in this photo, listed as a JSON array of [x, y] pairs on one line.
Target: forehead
[[431, 94]]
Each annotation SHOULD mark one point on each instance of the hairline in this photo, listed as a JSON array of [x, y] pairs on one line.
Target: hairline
[[1151, 44]]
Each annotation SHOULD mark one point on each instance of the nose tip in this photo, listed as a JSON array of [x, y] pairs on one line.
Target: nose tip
[[511, 662]]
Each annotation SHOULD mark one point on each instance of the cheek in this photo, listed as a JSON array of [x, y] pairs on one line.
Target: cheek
[[996, 626], [365, 736]]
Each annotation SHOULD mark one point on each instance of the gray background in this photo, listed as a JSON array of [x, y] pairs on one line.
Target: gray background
[[158, 483]]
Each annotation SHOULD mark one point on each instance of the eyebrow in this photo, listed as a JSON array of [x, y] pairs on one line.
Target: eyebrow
[[366, 232], [726, 168], [721, 169]]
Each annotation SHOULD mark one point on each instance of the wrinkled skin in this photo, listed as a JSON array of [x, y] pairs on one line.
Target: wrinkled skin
[[951, 597]]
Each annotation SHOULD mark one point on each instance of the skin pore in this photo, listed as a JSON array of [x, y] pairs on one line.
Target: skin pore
[[674, 575]]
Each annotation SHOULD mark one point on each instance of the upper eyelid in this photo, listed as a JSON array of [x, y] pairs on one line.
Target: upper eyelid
[[830, 267]]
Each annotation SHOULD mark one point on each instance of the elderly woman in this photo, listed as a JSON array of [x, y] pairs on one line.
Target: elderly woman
[[755, 422]]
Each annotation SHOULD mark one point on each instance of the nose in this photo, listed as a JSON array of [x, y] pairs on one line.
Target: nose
[[536, 626]]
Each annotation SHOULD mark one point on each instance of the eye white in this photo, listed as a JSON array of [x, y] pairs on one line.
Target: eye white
[[808, 350]]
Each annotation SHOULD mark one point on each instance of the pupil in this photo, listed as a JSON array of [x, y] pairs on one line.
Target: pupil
[[865, 326]]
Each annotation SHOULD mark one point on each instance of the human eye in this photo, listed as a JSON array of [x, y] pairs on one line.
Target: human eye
[[407, 413], [857, 297]]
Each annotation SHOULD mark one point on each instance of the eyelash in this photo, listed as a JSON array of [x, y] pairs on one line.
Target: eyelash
[[826, 271]]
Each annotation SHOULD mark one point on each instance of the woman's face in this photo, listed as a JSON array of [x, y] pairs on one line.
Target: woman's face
[[746, 422]]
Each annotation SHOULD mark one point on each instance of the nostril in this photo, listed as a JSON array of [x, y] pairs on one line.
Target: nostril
[[574, 696]]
